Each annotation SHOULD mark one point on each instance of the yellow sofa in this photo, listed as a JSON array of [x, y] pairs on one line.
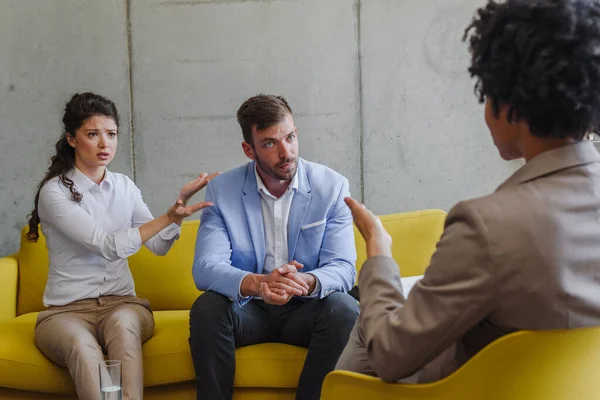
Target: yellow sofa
[[265, 371]]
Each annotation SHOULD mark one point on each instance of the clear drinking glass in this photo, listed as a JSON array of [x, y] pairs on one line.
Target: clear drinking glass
[[110, 380]]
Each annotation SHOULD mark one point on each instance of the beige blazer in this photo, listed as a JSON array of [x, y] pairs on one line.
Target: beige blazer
[[524, 257]]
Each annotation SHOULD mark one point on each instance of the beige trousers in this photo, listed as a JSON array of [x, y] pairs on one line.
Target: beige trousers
[[78, 335]]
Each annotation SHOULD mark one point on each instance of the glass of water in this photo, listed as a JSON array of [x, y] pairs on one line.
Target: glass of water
[[110, 380]]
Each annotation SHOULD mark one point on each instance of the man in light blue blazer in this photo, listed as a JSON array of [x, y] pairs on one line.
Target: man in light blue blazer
[[275, 255]]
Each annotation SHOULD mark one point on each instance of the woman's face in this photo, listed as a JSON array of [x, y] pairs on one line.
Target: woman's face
[[95, 142]]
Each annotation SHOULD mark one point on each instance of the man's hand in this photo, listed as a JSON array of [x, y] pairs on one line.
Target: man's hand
[[277, 287], [307, 280], [293, 273], [276, 297], [379, 242]]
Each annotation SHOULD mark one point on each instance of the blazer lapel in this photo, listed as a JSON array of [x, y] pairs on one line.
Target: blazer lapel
[[298, 210], [253, 210]]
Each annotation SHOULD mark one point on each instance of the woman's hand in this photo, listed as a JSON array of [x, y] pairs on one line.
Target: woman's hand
[[379, 241], [180, 209], [193, 187]]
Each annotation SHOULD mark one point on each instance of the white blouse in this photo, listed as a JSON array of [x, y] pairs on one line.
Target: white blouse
[[89, 242]]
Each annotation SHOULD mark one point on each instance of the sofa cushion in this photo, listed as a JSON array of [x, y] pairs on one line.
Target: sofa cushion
[[167, 358], [167, 281], [23, 366]]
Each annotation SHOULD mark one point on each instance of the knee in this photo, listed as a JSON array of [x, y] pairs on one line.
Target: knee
[[124, 329], [84, 347], [210, 308], [340, 311], [126, 324]]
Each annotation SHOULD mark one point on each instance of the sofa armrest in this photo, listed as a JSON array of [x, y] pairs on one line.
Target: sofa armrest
[[9, 275]]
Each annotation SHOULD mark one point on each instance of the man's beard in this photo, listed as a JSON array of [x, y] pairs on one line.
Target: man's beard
[[273, 173]]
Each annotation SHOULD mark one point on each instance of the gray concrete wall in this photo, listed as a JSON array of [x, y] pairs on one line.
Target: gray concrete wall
[[400, 120], [49, 50], [425, 140]]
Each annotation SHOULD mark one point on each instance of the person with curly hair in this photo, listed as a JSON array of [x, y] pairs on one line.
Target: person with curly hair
[[526, 257]]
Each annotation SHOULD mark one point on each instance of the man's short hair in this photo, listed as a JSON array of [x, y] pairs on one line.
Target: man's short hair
[[262, 111]]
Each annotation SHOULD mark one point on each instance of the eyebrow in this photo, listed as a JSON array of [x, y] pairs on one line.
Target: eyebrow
[[275, 139]]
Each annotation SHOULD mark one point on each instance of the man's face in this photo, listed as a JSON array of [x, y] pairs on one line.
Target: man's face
[[275, 149]]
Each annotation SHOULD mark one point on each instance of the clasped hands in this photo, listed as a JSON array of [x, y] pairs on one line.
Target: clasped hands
[[279, 286]]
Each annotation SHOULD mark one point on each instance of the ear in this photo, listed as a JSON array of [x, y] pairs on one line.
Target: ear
[[248, 150], [70, 139]]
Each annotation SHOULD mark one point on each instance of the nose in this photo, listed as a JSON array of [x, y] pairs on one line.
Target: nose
[[284, 151], [101, 142]]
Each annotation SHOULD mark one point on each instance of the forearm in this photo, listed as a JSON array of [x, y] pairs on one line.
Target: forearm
[[161, 243], [310, 280], [377, 246], [250, 285], [151, 228]]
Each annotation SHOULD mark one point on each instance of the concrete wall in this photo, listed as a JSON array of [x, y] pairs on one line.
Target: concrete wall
[[379, 89], [49, 50]]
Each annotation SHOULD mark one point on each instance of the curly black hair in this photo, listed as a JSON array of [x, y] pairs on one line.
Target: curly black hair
[[541, 59]]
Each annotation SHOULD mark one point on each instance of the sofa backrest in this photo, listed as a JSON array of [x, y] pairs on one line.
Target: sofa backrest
[[167, 281], [414, 238]]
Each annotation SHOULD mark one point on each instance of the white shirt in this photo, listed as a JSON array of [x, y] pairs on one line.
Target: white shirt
[[276, 213], [89, 242]]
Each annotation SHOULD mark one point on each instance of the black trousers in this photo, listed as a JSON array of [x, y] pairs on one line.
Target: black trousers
[[218, 326]]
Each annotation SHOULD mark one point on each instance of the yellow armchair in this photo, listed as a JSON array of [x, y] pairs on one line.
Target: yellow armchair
[[541, 365]]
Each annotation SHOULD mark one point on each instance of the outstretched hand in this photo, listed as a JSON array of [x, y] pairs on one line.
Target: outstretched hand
[[193, 187], [180, 209], [379, 241]]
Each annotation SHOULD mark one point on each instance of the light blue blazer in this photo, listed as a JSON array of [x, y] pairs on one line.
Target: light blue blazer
[[231, 238]]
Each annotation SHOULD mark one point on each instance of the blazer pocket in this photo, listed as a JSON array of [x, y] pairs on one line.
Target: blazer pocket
[[313, 225]]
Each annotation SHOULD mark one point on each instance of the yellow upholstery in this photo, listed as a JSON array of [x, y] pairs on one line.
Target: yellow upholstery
[[167, 358], [542, 365], [9, 275], [33, 273], [167, 280], [414, 236], [266, 371]]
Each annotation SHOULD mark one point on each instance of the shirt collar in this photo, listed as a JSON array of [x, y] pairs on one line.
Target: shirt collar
[[260, 186], [84, 184]]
